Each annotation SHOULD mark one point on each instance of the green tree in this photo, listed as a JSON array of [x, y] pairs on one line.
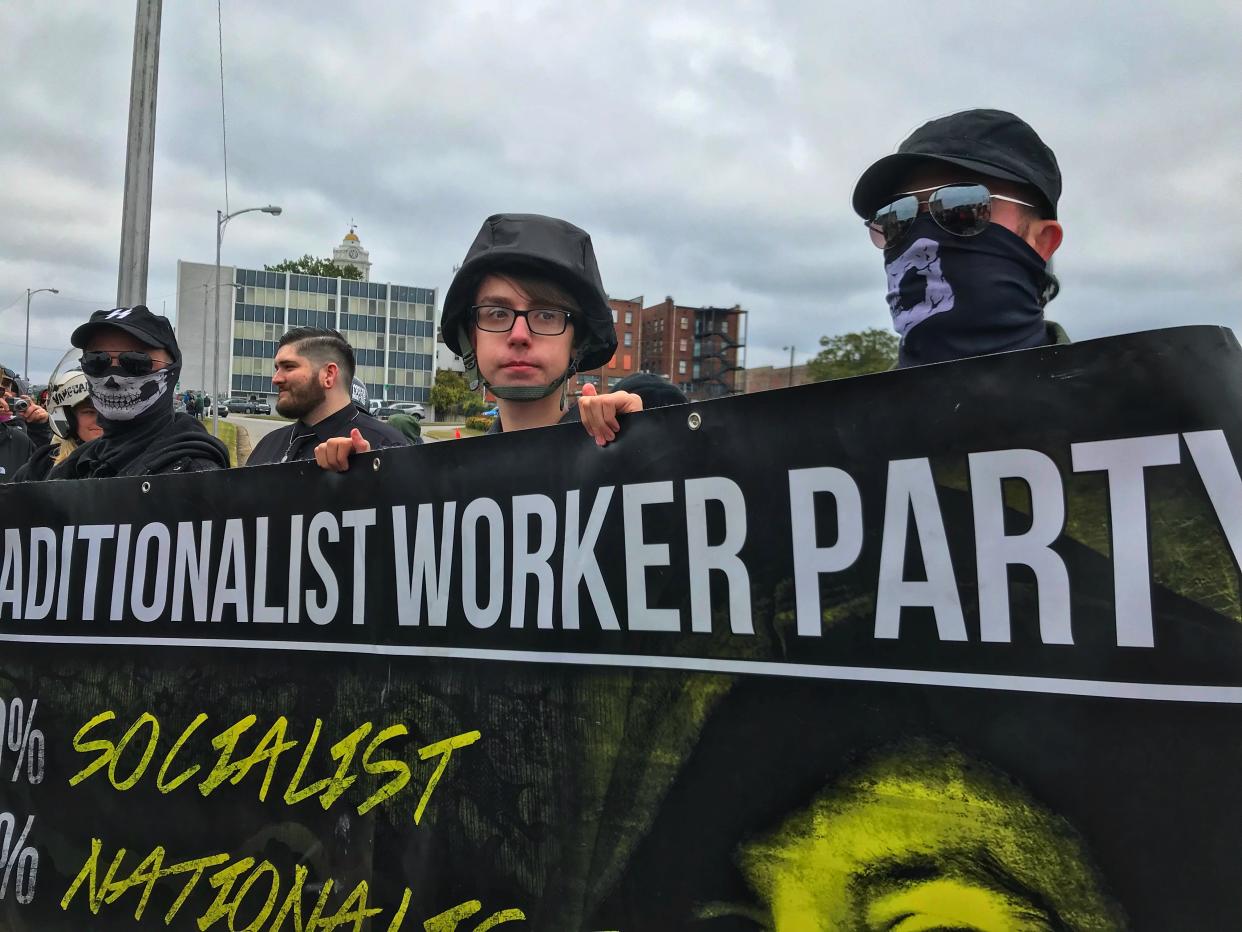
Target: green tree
[[309, 265], [451, 395], [848, 354]]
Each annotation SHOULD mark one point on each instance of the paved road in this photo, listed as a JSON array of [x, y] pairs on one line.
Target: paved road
[[257, 427]]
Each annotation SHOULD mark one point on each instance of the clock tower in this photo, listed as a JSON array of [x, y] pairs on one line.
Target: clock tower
[[350, 252]]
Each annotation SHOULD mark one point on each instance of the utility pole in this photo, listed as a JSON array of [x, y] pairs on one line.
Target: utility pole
[[26, 361], [791, 363], [131, 286], [202, 369]]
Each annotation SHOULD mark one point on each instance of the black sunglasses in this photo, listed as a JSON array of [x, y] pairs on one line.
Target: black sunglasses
[[960, 209], [131, 362]]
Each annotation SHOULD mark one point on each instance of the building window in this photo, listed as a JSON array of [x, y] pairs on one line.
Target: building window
[[682, 344], [614, 315], [629, 339], [629, 317], [681, 367], [685, 325], [625, 361]]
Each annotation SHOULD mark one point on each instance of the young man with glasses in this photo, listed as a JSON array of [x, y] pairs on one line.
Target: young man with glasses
[[131, 362], [526, 311], [966, 213]]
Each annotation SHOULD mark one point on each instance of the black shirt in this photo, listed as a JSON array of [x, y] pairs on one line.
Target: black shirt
[[298, 440], [15, 448], [653, 390]]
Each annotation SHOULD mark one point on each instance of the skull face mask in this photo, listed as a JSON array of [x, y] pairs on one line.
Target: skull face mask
[[119, 397]]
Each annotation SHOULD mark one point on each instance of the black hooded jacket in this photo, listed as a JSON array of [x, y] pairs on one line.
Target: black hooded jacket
[[15, 447], [39, 464], [179, 444]]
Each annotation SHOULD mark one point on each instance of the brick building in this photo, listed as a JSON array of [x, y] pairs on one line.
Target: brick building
[[627, 316], [766, 378], [701, 350]]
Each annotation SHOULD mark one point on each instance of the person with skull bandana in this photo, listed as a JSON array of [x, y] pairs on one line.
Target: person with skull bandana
[[966, 213], [131, 361]]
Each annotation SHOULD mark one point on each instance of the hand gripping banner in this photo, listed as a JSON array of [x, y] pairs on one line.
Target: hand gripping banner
[[957, 647]]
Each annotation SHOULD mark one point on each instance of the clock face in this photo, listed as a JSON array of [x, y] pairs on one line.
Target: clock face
[[353, 253]]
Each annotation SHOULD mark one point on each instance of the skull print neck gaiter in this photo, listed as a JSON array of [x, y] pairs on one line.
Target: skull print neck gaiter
[[955, 296], [124, 400]]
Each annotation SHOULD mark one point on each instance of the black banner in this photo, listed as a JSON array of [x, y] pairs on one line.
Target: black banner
[[948, 648]]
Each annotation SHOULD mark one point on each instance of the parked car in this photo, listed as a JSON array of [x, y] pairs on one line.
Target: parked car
[[492, 412], [238, 406], [388, 408], [262, 407], [412, 408]]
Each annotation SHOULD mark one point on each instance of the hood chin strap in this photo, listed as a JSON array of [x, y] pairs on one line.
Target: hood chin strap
[[474, 378]]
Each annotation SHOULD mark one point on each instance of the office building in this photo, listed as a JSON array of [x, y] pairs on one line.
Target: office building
[[391, 327]]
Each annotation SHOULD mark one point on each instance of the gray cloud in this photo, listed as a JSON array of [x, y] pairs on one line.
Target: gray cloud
[[710, 148]]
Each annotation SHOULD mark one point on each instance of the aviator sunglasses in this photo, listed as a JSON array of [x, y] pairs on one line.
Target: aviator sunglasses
[[960, 209], [131, 362]]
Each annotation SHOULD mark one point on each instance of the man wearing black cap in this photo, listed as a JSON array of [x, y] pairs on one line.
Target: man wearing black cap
[[966, 213], [525, 311], [131, 361]]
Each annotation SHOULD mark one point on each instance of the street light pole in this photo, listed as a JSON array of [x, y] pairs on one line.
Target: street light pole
[[791, 364], [26, 363], [222, 220]]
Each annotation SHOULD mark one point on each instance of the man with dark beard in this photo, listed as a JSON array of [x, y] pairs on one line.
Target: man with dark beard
[[314, 375], [131, 361]]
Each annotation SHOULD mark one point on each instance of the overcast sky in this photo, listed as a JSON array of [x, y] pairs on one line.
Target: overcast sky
[[709, 148]]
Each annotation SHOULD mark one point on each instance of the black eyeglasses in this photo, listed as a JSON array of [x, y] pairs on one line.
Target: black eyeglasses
[[131, 362], [544, 321], [960, 209]]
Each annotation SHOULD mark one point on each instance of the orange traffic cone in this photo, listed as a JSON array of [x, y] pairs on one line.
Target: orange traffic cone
[[456, 433]]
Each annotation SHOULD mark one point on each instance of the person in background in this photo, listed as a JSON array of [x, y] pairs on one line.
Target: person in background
[[314, 379], [23, 424], [73, 422], [408, 425]]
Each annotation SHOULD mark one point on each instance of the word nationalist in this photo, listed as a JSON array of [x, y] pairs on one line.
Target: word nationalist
[[535, 555], [253, 896]]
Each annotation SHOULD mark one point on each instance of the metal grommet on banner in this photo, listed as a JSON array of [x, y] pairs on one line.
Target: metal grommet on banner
[[146, 487], [375, 465], [695, 420]]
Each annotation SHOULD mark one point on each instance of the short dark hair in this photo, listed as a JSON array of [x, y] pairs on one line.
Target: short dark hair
[[322, 345], [542, 291]]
